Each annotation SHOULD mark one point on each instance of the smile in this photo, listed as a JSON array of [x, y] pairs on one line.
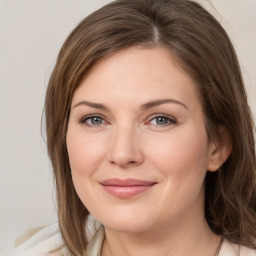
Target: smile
[[126, 188]]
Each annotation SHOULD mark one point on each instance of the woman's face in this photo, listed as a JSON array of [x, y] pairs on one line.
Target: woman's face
[[137, 142]]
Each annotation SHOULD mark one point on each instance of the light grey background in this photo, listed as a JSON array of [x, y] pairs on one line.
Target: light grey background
[[31, 33]]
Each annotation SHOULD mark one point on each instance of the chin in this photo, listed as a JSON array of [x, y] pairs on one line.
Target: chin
[[127, 223]]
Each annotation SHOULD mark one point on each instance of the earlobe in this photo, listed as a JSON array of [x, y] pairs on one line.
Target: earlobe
[[219, 150]]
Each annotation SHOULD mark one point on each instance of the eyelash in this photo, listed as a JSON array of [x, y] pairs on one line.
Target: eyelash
[[170, 120], [86, 118]]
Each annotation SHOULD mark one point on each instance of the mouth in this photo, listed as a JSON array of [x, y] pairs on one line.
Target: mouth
[[126, 188]]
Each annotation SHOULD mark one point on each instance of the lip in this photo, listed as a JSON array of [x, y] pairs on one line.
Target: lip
[[126, 188]]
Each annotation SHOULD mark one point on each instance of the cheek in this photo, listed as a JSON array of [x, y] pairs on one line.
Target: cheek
[[85, 154], [182, 161], [85, 157], [181, 156]]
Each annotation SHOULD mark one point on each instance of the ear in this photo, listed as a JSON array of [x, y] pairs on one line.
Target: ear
[[219, 150]]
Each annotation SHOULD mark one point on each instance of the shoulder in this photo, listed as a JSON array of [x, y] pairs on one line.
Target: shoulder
[[230, 249], [244, 251], [46, 241]]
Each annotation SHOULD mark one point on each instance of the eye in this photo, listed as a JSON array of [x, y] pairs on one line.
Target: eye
[[162, 120], [92, 121]]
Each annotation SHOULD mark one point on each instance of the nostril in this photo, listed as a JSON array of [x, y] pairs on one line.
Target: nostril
[[132, 162], [127, 163]]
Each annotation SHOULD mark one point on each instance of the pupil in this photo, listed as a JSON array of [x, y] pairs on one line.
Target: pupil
[[96, 120], [161, 120]]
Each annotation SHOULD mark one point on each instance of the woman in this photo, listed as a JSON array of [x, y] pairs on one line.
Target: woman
[[149, 131]]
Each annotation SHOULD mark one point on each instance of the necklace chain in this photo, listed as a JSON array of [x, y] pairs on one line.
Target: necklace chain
[[219, 247]]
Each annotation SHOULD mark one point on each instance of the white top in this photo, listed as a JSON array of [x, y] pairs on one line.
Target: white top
[[49, 239]]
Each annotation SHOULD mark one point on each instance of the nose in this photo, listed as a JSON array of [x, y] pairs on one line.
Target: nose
[[125, 148]]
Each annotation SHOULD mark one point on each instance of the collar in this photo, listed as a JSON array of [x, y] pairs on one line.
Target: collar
[[95, 245]]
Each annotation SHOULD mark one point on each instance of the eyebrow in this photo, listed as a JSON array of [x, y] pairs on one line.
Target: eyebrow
[[155, 103], [91, 104], [145, 106]]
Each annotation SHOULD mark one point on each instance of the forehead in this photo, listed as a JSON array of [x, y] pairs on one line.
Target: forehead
[[136, 74]]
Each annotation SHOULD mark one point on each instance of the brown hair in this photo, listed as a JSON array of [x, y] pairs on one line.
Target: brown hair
[[204, 50]]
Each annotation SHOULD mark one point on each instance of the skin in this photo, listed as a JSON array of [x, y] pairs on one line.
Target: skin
[[127, 140]]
